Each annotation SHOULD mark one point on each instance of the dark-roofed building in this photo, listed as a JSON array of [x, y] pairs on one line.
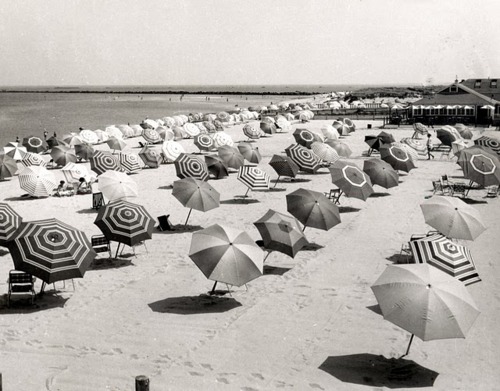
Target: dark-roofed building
[[472, 101]]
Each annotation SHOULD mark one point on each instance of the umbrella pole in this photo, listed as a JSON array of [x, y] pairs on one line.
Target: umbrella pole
[[276, 181], [303, 229], [117, 248], [269, 252], [189, 214], [409, 344], [248, 189], [213, 288], [42, 288]]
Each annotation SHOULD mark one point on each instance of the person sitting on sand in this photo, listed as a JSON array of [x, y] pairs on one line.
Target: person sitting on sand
[[62, 190], [83, 187]]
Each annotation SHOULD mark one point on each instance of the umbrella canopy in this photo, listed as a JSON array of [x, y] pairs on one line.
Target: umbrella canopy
[[381, 173], [90, 137], [489, 142], [54, 141], [329, 132], [304, 158], [447, 256], [150, 157], [231, 156], [10, 221], [115, 143], [51, 250], [374, 142], [268, 127], [466, 133], [304, 137], [386, 137], [284, 166], [8, 166], [425, 301], [480, 166], [325, 152], [84, 151], [446, 136], [409, 150], [253, 177], [216, 166], [116, 185], [190, 166], [33, 159], [204, 142], [281, 233], [222, 139], [37, 181], [15, 150], [129, 162], [250, 152], [397, 157], [114, 132], [313, 209], [195, 194], [171, 150], [223, 116], [227, 255], [416, 144], [151, 136], [103, 161], [63, 155], [251, 131], [73, 172], [34, 144], [351, 180], [340, 147], [191, 130], [125, 222], [72, 139], [453, 217], [457, 146]]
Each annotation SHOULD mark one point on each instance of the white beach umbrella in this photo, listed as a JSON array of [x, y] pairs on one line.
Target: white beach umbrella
[[113, 131], [171, 150], [15, 150], [88, 136], [222, 138], [37, 181], [116, 185]]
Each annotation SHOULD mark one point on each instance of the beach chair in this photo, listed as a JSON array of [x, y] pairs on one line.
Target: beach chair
[[21, 283], [437, 187], [164, 223], [405, 251], [493, 191], [458, 190], [100, 244], [97, 200], [143, 243], [334, 195]]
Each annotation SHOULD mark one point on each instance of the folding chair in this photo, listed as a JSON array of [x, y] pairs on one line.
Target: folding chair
[[437, 187], [493, 191], [334, 195], [458, 190], [21, 283], [97, 200], [164, 223], [100, 243]]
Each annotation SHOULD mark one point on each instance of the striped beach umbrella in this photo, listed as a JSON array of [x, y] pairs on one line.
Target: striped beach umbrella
[[191, 129], [222, 139], [416, 144], [447, 256], [114, 132], [342, 149], [129, 162], [409, 150], [72, 139], [125, 222], [251, 131], [313, 209], [195, 194], [150, 157], [254, 178], [103, 161], [397, 157], [480, 166], [284, 166], [73, 172], [227, 255], [10, 221], [89, 136], [325, 152], [304, 137], [33, 159], [190, 166], [231, 156], [223, 116], [15, 150], [37, 181], [34, 144], [281, 233], [250, 152], [381, 173], [151, 136], [63, 155], [8, 166], [116, 185], [329, 132], [453, 217], [209, 126], [304, 158], [116, 143], [268, 127], [84, 151], [171, 150], [51, 250], [204, 142], [217, 168], [489, 142], [351, 180]]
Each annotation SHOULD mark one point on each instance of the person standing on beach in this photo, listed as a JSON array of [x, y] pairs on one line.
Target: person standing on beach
[[45, 134], [429, 147]]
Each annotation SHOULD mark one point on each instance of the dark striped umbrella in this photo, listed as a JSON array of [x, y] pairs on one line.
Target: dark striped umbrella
[[34, 144], [8, 166], [489, 142], [381, 173], [480, 166], [231, 156], [304, 137], [304, 158], [216, 167], [125, 222], [204, 142], [129, 162], [447, 256], [351, 180], [251, 131], [63, 155], [325, 152], [397, 157], [195, 194], [281, 233], [9, 223], [103, 161], [151, 136], [250, 152], [33, 159], [254, 178], [284, 166], [150, 157], [84, 151], [51, 250], [313, 209], [190, 166]]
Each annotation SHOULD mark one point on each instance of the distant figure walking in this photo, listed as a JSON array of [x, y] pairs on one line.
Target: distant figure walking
[[55, 134], [429, 147], [17, 139], [45, 134]]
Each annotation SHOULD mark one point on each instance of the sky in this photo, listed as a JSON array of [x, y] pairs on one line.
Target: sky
[[247, 42]]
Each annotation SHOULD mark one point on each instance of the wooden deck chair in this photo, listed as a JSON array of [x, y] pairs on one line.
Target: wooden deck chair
[[164, 223], [437, 187], [100, 244], [458, 190], [97, 200], [21, 283], [493, 191], [334, 195]]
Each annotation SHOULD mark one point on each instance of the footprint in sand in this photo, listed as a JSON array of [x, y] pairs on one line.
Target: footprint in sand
[[314, 385], [258, 376], [207, 366], [222, 380], [193, 373]]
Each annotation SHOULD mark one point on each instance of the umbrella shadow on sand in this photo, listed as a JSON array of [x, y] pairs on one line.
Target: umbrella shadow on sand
[[24, 197], [47, 301], [86, 211], [239, 201], [471, 201], [179, 229], [379, 194], [109, 263], [397, 258], [191, 305], [3, 252], [166, 187], [275, 270], [379, 371], [348, 209]]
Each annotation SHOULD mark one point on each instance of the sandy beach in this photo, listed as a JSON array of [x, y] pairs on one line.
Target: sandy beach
[[304, 321]]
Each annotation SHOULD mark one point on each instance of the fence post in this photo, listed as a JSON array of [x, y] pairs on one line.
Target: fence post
[[141, 383]]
